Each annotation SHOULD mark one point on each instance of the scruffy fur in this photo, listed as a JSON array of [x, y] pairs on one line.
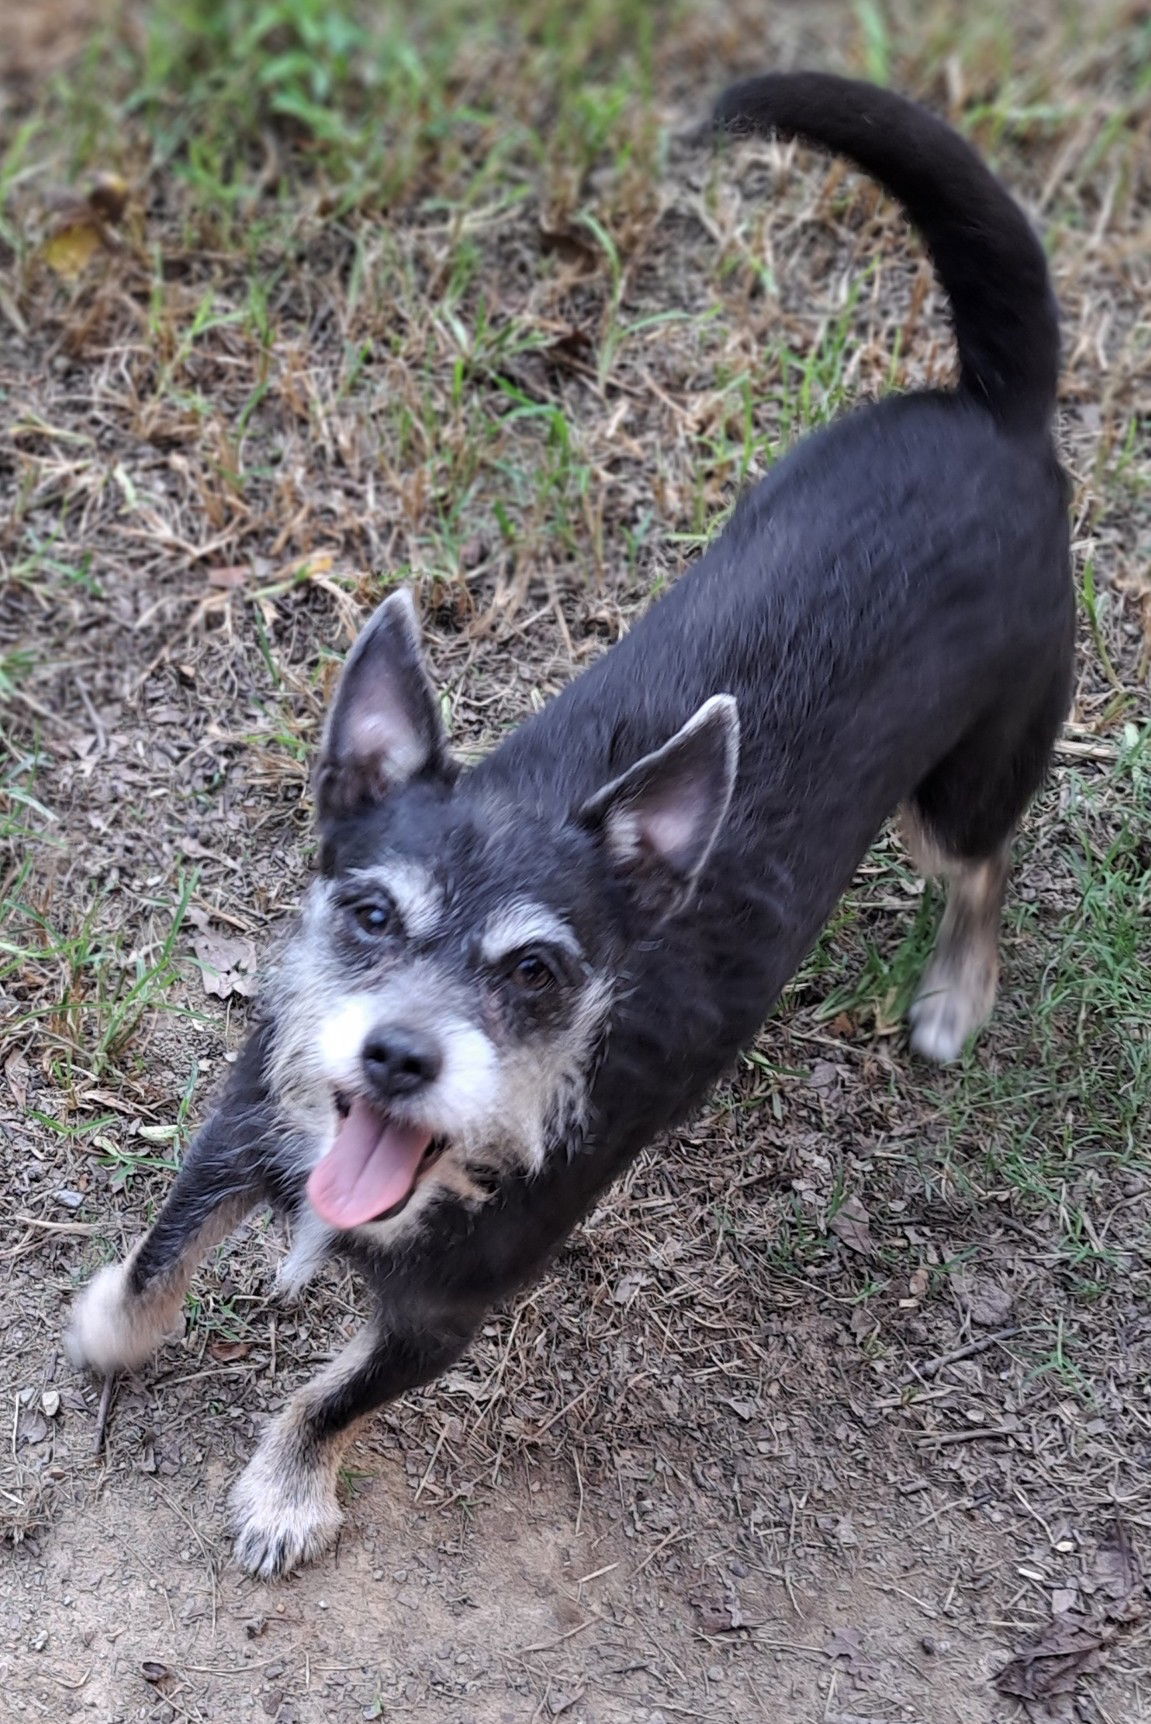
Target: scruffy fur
[[534, 966]]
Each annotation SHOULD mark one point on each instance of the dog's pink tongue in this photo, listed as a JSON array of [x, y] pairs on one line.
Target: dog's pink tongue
[[370, 1167]]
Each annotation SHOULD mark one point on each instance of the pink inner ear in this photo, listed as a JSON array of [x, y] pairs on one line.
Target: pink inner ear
[[383, 734], [671, 829]]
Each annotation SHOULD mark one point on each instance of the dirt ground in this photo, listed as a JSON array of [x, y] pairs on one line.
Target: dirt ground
[[837, 1409]]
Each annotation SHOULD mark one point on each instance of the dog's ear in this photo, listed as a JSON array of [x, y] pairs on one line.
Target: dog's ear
[[384, 724], [659, 820]]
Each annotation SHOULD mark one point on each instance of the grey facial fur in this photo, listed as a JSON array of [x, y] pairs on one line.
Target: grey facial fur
[[512, 1082]]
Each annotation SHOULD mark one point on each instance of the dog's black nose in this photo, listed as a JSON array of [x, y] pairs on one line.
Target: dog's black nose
[[400, 1061]]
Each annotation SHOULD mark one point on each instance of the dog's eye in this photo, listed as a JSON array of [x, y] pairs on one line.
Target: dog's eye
[[375, 917], [530, 974]]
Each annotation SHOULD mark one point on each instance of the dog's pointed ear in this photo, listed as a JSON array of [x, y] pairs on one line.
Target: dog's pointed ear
[[384, 726], [659, 819]]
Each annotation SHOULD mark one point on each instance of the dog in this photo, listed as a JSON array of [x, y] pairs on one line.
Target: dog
[[506, 980]]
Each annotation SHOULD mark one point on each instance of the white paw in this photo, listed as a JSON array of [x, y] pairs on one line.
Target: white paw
[[284, 1514], [943, 1020], [111, 1331]]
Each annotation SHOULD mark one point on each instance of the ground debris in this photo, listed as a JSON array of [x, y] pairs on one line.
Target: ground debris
[[1070, 1647]]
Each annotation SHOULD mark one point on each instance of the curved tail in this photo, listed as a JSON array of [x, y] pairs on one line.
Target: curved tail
[[989, 261]]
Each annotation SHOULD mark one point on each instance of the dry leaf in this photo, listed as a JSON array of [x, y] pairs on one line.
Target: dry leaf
[[990, 1304], [70, 249], [852, 1224], [80, 228], [228, 1351], [844, 1643], [227, 963], [1118, 1575], [719, 1616], [1068, 1649], [17, 1071]]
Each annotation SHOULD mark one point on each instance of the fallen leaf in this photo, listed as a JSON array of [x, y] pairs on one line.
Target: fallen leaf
[[863, 1323], [32, 1428], [1068, 1649], [1118, 1575], [17, 1071], [852, 1224], [158, 1133], [71, 247], [81, 226], [227, 1351], [558, 1704], [227, 964], [844, 1643], [719, 1616], [991, 1305]]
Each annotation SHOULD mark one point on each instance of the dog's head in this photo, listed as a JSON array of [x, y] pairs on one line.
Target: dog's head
[[437, 1015]]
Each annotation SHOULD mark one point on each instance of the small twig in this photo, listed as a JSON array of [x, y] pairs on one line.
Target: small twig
[[546, 1645], [977, 1434], [102, 1412], [932, 1367]]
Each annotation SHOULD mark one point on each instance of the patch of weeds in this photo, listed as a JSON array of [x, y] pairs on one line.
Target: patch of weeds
[[78, 982]]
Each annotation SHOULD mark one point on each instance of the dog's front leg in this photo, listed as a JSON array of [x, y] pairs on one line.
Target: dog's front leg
[[284, 1502], [129, 1308]]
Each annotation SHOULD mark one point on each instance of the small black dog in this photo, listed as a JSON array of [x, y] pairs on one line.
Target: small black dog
[[506, 980]]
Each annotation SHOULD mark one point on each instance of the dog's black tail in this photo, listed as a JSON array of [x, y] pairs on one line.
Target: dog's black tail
[[988, 259]]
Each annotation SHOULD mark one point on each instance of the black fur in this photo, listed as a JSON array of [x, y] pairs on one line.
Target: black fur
[[892, 611]]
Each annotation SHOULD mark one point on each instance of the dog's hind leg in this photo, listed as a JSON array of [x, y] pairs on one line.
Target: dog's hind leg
[[957, 991], [129, 1308], [284, 1503], [959, 825]]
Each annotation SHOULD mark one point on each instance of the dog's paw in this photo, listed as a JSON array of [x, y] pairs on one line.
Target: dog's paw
[[945, 1016], [109, 1329], [283, 1514]]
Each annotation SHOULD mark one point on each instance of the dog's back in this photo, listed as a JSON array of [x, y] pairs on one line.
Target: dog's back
[[891, 609]]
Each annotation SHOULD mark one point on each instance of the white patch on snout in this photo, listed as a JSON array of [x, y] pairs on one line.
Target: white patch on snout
[[342, 1036], [461, 1101]]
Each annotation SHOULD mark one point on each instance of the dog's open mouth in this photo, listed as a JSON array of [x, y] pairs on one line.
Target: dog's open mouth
[[372, 1168]]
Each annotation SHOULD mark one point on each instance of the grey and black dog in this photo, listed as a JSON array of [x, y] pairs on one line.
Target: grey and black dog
[[506, 980]]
